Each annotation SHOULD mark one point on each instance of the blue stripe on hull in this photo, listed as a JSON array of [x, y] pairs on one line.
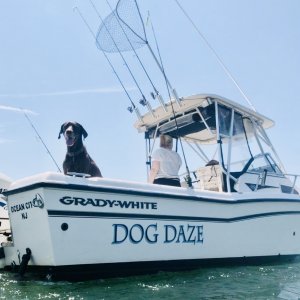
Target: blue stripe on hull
[[80, 214]]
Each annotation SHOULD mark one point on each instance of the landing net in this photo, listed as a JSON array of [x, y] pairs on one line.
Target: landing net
[[123, 29]]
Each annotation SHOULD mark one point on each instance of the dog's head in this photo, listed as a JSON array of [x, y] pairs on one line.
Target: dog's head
[[72, 132]]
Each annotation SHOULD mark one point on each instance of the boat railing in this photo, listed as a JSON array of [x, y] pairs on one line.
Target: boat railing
[[261, 179], [210, 178], [290, 186], [294, 178]]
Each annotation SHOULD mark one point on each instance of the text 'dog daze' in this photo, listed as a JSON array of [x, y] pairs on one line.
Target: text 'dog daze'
[[154, 233]]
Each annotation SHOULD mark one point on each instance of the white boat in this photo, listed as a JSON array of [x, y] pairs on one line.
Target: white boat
[[237, 211], [236, 203]]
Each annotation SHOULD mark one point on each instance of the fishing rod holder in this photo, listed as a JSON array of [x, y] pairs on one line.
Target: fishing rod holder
[[137, 112], [160, 99], [175, 95], [144, 102]]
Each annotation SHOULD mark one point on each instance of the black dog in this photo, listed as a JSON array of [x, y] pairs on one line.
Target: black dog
[[77, 159]]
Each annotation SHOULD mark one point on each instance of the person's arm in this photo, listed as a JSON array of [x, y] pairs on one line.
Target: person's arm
[[154, 170]]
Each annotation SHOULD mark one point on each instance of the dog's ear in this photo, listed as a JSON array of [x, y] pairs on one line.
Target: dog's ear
[[83, 132], [62, 129]]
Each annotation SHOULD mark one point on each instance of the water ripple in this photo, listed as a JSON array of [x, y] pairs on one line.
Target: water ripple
[[266, 282]]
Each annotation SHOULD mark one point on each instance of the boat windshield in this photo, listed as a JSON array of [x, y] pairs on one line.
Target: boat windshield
[[264, 162], [225, 115], [245, 146]]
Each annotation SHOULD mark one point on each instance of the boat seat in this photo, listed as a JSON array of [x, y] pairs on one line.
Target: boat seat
[[210, 178]]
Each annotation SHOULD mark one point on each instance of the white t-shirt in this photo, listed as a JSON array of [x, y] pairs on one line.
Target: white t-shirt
[[170, 163]]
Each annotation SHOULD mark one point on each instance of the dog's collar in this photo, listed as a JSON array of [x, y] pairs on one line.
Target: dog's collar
[[75, 153]]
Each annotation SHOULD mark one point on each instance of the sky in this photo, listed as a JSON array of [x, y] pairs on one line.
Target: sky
[[52, 71]]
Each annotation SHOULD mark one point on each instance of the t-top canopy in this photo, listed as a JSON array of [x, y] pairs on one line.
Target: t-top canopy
[[195, 118]]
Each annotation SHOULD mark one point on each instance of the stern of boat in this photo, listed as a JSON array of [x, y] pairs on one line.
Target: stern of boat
[[29, 228]]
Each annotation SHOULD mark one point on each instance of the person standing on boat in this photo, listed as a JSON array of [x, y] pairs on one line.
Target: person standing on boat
[[165, 163]]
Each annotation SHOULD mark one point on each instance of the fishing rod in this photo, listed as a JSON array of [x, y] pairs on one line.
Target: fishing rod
[[160, 58], [174, 93], [143, 101], [188, 177], [142, 39], [133, 106], [226, 70], [157, 94], [37, 133]]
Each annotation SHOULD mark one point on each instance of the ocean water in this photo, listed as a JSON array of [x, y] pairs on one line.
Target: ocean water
[[276, 281]]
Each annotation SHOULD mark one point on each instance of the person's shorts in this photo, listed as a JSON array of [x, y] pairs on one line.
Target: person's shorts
[[167, 181]]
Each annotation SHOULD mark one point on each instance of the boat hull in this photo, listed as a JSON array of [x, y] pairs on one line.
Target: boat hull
[[78, 227], [122, 269]]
